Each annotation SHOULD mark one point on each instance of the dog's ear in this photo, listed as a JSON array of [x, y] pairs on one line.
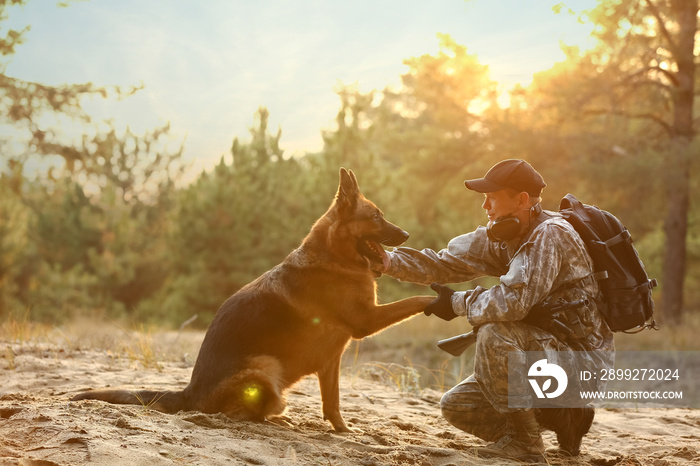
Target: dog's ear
[[347, 190], [354, 181]]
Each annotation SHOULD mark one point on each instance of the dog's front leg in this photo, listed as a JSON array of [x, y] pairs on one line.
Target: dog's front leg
[[377, 318], [328, 379]]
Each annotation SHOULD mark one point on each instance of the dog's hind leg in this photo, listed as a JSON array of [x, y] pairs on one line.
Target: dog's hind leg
[[328, 379], [252, 394]]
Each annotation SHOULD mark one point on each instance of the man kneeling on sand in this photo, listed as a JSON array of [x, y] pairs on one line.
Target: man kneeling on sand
[[539, 258]]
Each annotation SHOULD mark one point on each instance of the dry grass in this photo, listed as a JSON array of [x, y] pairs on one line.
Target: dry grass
[[404, 356], [413, 344], [140, 345], [21, 329], [667, 338]]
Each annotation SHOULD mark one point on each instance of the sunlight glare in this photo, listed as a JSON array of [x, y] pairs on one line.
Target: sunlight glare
[[252, 394]]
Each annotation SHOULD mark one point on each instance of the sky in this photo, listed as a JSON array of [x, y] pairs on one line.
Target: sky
[[207, 66]]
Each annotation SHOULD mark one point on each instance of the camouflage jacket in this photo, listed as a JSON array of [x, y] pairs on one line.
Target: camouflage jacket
[[548, 263]]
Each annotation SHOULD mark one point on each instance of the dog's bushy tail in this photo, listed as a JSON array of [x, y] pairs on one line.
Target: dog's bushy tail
[[165, 401]]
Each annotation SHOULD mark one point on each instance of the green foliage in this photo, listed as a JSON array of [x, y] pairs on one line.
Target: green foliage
[[67, 251], [71, 238], [413, 147], [15, 220], [631, 104], [107, 231], [236, 222]]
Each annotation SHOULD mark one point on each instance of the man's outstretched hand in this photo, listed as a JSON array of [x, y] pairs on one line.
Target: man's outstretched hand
[[442, 306]]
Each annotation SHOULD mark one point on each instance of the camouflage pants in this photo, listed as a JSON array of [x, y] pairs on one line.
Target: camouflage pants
[[480, 404]]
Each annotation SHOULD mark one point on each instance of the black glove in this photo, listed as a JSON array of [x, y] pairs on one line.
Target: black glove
[[442, 306]]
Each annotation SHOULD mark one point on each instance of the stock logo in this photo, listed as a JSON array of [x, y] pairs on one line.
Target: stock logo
[[542, 369]]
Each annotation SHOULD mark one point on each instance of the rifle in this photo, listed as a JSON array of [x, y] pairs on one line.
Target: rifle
[[459, 344], [539, 316]]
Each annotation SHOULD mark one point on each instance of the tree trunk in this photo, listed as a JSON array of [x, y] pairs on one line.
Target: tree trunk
[[675, 229], [678, 187]]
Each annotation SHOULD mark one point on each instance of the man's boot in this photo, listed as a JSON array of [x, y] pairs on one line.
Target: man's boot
[[570, 425], [523, 444]]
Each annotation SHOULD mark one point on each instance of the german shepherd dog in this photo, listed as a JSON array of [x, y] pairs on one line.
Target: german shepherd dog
[[294, 320]]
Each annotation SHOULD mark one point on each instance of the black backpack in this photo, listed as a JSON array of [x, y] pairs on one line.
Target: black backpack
[[623, 281]]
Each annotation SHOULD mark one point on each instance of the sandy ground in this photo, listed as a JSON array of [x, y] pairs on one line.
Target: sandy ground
[[40, 426]]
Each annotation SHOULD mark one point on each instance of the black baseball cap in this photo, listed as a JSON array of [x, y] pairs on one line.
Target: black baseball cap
[[512, 173]]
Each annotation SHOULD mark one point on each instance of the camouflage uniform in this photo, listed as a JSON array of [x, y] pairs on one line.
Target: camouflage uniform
[[548, 263]]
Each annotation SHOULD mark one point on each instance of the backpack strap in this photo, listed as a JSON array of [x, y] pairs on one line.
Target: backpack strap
[[622, 237], [619, 238], [570, 202]]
